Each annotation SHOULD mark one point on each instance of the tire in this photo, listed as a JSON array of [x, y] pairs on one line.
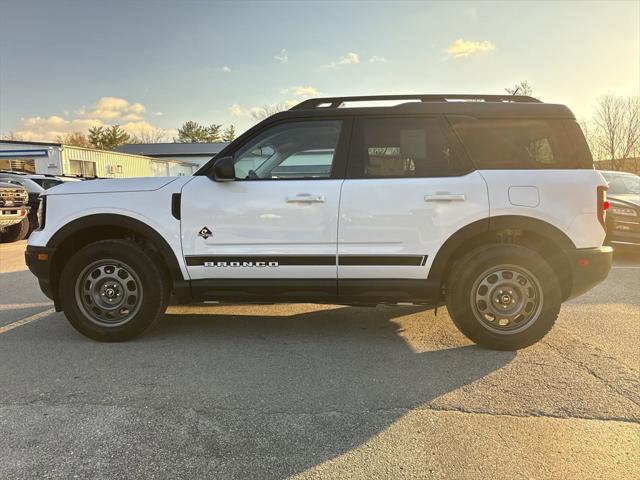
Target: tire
[[503, 296], [113, 290], [16, 232]]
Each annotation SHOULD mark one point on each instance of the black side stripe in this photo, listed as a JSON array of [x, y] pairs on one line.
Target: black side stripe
[[382, 260], [312, 260], [196, 260]]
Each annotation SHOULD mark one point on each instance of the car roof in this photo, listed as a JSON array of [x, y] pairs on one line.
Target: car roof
[[481, 106], [477, 106], [9, 185], [30, 176]]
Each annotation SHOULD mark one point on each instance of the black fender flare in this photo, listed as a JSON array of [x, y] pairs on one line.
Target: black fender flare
[[485, 226], [121, 221]]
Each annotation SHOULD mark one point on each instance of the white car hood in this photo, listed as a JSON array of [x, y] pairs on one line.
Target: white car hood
[[112, 185]]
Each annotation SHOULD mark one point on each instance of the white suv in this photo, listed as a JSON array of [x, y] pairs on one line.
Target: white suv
[[489, 204]]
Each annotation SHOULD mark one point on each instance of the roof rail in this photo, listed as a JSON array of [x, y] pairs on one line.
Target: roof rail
[[337, 102]]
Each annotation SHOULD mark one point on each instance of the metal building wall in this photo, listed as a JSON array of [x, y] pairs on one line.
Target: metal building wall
[[109, 164]]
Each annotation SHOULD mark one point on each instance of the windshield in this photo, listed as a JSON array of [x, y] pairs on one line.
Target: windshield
[[622, 183], [47, 183]]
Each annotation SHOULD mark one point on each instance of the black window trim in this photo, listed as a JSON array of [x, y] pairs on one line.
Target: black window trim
[[339, 165], [354, 170], [572, 147]]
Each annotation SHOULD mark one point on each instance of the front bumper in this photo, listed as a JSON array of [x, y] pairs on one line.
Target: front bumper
[[589, 267], [12, 215], [40, 262]]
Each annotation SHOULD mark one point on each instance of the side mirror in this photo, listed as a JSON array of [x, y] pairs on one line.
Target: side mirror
[[224, 170]]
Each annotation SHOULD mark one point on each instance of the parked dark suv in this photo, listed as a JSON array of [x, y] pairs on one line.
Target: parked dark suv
[[13, 212], [623, 215], [33, 190]]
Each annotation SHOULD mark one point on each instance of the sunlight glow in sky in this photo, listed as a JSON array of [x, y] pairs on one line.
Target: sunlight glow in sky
[[67, 65]]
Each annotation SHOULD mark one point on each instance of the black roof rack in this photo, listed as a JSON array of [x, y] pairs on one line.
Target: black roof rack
[[337, 102]]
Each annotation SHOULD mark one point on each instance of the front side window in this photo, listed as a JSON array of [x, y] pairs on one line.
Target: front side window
[[296, 150], [403, 147], [47, 183]]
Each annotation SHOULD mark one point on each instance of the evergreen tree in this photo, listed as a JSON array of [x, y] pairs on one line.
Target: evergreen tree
[[229, 134]]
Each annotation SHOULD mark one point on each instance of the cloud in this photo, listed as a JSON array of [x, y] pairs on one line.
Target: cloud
[[225, 69], [350, 58], [301, 91], [132, 117], [105, 112], [376, 59], [113, 108], [465, 48], [283, 56], [238, 111], [50, 128]]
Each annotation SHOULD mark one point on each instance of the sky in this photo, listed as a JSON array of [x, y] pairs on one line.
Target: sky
[[67, 65]]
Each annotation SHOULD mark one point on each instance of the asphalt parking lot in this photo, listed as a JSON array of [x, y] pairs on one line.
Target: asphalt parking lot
[[310, 391]]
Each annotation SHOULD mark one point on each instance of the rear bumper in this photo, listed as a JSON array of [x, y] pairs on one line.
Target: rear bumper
[[40, 260], [589, 267]]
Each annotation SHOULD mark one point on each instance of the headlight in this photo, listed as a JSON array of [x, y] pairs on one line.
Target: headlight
[[42, 211], [623, 211]]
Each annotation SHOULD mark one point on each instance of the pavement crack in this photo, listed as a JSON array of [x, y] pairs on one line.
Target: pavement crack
[[619, 378], [400, 410]]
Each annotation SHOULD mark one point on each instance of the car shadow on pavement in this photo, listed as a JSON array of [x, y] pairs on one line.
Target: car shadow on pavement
[[280, 394], [235, 392]]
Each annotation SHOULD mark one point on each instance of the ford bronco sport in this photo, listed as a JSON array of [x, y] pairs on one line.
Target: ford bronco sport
[[488, 204]]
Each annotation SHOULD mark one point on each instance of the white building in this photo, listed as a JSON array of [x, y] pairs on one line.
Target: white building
[[190, 153], [59, 159]]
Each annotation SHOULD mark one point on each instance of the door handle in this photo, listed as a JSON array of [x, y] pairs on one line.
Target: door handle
[[445, 197], [305, 198]]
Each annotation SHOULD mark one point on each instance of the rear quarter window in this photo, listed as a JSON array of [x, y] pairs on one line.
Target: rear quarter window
[[523, 143]]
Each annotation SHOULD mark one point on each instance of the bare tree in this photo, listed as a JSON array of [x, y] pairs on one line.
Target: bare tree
[[591, 135], [11, 136], [150, 135], [265, 111], [522, 88], [76, 139], [617, 128]]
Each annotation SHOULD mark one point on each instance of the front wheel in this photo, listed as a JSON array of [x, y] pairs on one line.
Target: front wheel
[[503, 296], [113, 290]]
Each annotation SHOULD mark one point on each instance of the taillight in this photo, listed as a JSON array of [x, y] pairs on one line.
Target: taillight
[[603, 205]]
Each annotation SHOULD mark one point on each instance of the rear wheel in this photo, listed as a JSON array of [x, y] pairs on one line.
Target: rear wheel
[[16, 232], [503, 297], [113, 290]]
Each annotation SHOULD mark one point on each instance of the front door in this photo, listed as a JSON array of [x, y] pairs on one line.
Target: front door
[[277, 220]]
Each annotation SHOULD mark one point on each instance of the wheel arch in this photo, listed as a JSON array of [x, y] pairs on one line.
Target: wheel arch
[[82, 231], [536, 234]]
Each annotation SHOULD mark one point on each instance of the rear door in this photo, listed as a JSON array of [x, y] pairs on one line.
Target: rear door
[[409, 188], [279, 218]]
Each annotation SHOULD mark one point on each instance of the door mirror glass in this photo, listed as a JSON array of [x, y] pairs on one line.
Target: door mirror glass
[[224, 170]]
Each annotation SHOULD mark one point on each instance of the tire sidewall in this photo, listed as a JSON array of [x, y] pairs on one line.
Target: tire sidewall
[[467, 271], [16, 232], [154, 290]]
